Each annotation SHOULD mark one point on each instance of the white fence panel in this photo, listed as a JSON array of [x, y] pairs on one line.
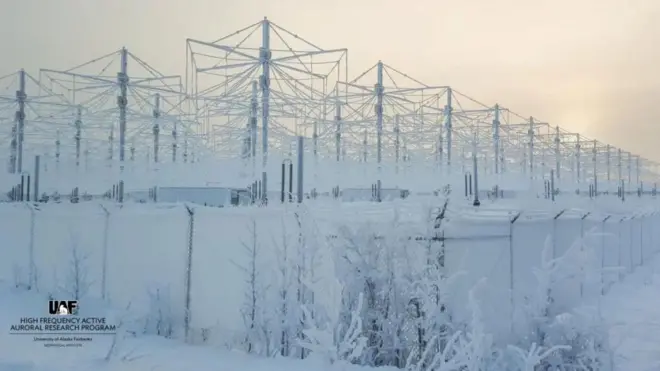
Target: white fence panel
[[14, 243], [529, 239], [222, 263], [147, 251], [636, 241], [611, 254], [480, 249], [625, 247], [68, 250], [567, 236]]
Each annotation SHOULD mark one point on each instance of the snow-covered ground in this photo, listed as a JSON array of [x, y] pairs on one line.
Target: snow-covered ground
[[632, 310], [142, 353]]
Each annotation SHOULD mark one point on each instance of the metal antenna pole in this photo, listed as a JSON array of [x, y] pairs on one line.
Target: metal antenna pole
[[156, 129], [265, 56], [254, 108], [111, 139], [552, 184], [397, 142], [364, 147], [315, 144], [338, 128], [185, 148], [619, 165], [594, 153], [543, 163], [448, 126], [21, 96], [13, 148], [122, 101], [496, 138], [301, 150], [440, 159], [174, 143], [78, 125], [379, 114], [475, 172], [246, 142], [57, 149], [503, 168]]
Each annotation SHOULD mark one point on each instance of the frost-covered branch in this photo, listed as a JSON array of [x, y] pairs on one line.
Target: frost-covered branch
[[332, 341]]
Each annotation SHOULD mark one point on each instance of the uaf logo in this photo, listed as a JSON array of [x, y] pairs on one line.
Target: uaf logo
[[63, 308]]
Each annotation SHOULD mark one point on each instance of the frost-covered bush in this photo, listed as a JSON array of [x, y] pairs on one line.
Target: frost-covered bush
[[76, 282], [577, 328], [159, 320], [372, 295]]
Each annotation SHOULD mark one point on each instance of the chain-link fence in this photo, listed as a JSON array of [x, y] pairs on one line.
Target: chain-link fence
[[200, 260], [508, 248]]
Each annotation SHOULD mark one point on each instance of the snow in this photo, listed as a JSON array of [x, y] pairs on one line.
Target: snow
[[478, 245], [500, 265], [631, 309], [21, 353]]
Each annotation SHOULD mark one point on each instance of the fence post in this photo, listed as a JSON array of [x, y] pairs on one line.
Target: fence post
[[466, 185], [554, 233], [620, 248], [630, 248], [121, 191], [32, 268], [191, 231], [301, 150], [582, 223], [36, 177], [476, 201], [290, 181], [641, 240], [22, 194], [104, 261], [582, 250], [511, 270], [283, 181], [602, 256]]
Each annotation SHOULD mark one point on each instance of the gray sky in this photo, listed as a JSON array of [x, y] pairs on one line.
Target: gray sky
[[587, 65]]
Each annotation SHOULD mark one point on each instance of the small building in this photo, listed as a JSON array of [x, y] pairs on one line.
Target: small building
[[208, 196], [366, 194]]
